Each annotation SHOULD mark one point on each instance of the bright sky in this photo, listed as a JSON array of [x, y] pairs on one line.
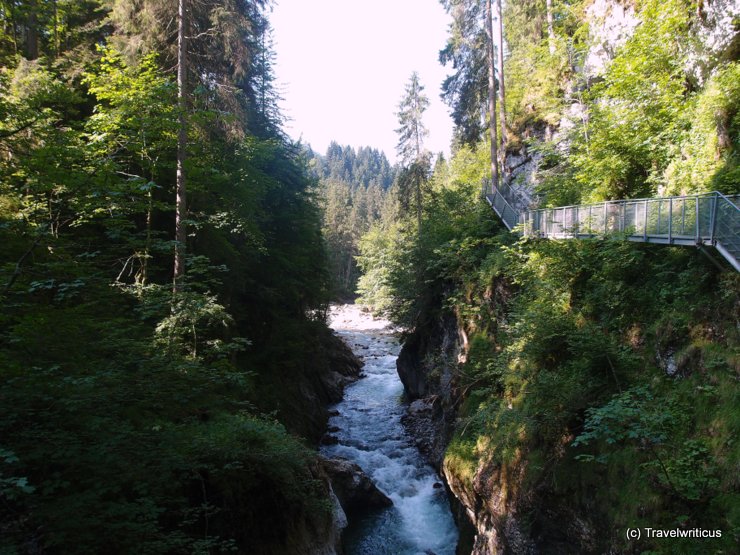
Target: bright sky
[[342, 66]]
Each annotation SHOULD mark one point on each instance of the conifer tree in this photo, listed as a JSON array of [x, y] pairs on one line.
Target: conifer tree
[[466, 90], [414, 158], [471, 89]]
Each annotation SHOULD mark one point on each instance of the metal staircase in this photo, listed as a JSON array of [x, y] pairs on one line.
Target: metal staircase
[[502, 201], [709, 219]]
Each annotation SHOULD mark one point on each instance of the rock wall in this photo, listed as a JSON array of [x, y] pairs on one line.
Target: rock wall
[[306, 395], [319, 536], [492, 506], [426, 366], [715, 38], [301, 392], [610, 24]]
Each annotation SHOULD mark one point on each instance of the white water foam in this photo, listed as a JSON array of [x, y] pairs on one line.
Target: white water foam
[[371, 434]]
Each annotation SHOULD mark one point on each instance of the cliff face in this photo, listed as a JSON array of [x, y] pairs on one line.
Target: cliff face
[[309, 382], [508, 451], [609, 23], [712, 39], [496, 510], [427, 368]]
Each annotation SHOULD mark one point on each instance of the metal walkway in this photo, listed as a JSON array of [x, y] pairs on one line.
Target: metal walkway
[[709, 219]]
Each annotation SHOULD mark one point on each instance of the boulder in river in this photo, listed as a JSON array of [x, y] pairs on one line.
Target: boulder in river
[[355, 490]]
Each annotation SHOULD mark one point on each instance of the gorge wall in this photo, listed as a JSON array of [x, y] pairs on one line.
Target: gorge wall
[[504, 437]]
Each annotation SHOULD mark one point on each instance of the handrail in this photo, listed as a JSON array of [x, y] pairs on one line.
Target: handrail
[[614, 217], [502, 204], [709, 194], [700, 219], [727, 198]]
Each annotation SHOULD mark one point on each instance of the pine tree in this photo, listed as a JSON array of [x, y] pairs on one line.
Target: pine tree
[[471, 90], [415, 159], [466, 90]]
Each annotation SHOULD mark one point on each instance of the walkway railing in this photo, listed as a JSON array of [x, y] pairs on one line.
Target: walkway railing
[[503, 201], [710, 219]]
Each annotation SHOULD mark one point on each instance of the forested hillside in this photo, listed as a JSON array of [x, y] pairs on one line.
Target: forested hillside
[[575, 388], [355, 190], [137, 416]]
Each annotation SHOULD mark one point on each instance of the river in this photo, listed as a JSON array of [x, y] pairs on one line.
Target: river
[[367, 424]]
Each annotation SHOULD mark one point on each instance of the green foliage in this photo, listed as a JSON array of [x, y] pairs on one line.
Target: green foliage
[[128, 413], [709, 149], [135, 121], [636, 111], [535, 79], [634, 418], [625, 418], [378, 253], [561, 363], [354, 194]]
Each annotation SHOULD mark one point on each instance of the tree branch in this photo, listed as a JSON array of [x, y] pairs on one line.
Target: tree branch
[[19, 264], [8, 134]]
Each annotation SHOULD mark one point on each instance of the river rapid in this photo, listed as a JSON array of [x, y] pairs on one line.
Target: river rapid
[[367, 425]]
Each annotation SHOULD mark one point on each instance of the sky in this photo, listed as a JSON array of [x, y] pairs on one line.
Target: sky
[[342, 66]]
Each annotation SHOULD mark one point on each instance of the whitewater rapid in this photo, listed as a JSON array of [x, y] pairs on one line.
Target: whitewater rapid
[[368, 428]]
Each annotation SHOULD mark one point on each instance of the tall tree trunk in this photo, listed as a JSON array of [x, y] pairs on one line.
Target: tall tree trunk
[[263, 79], [32, 32], [148, 244], [418, 203], [550, 27], [14, 26], [492, 93], [56, 29], [182, 140], [501, 90], [350, 268]]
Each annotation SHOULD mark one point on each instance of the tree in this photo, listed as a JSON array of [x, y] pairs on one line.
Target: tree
[[414, 157], [353, 193], [471, 90], [466, 90], [501, 90], [412, 132], [182, 141], [492, 93]]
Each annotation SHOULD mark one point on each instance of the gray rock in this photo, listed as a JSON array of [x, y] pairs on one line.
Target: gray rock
[[329, 439], [355, 490]]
